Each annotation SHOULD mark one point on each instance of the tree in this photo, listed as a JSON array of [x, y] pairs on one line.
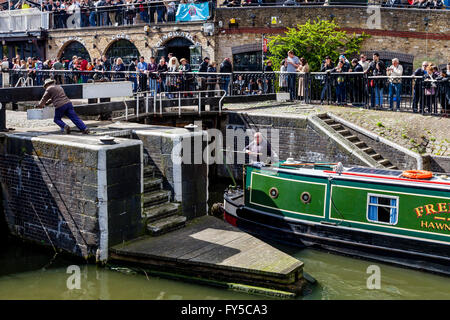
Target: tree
[[314, 41]]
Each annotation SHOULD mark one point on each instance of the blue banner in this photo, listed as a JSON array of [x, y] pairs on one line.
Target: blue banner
[[193, 12]]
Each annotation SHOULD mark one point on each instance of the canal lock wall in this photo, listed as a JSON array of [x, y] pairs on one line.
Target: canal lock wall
[[309, 138], [82, 196]]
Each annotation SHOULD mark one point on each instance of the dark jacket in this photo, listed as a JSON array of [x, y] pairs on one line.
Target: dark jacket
[[132, 66], [226, 67], [372, 67], [119, 68], [324, 67], [358, 68], [152, 68], [419, 72], [56, 95], [203, 67]]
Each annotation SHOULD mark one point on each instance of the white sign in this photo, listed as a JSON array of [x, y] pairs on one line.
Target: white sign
[[107, 89], [121, 36], [75, 38], [176, 34]]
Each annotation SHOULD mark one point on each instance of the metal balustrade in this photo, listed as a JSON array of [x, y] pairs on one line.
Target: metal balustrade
[[428, 96]]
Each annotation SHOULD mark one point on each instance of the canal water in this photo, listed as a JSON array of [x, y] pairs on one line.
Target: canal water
[[30, 273]]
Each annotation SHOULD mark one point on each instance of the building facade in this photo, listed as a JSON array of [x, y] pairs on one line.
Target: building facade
[[412, 35]]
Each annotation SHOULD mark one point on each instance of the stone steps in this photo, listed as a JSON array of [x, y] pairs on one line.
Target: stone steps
[[360, 144], [376, 156], [161, 211], [159, 214], [152, 184], [155, 198], [393, 168], [352, 138], [149, 171], [368, 150], [384, 162], [165, 225], [347, 134], [336, 126]]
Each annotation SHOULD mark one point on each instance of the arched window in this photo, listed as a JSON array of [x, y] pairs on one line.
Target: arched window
[[181, 48], [75, 48], [122, 49]]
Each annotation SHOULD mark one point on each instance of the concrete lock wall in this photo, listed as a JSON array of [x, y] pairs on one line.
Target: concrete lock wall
[[299, 138], [71, 192], [393, 30], [188, 180]]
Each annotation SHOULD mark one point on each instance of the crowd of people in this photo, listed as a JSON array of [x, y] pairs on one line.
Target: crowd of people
[[104, 12], [355, 80], [169, 74]]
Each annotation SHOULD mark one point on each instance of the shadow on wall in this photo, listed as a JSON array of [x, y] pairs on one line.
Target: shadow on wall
[[3, 226], [38, 203]]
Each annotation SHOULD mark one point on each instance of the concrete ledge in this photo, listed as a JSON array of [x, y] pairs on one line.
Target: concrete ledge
[[373, 136]]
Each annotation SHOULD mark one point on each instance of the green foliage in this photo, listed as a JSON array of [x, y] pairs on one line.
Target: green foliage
[[314, 41], [380, 124]]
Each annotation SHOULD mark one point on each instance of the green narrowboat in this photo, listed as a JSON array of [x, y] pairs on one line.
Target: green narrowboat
[[371, 213]]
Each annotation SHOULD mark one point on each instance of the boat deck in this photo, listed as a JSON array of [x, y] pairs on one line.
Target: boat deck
[[213, 249]]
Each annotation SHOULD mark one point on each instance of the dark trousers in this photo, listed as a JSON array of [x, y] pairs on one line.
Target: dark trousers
[[417, 97], [143, 82], [291, 86], [326, 90], [67, 110], [340, 93], [135, 84]]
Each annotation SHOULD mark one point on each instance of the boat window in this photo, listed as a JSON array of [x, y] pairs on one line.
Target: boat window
[[382, 209]]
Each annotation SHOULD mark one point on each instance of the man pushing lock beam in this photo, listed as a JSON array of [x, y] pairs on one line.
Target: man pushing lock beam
[[63, 106]]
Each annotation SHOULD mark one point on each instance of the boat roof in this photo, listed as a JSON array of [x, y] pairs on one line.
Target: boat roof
[[438, 181]]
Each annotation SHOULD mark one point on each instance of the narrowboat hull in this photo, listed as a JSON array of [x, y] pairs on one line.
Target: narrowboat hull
[[392, 244]]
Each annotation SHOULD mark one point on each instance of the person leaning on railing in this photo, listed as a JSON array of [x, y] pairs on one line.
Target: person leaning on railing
[[430, 88], [212, 79], [376, 86], [304, 69], [395, 71], [357, 84], [282, 81], [119, 69], [161, 69], [444, 90], [327, 66], [418, 92], [132, 67]]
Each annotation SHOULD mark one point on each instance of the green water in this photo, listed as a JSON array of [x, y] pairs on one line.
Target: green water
[[23, 276]]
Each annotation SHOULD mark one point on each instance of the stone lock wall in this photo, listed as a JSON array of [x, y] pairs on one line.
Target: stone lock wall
[[393, 30], [103, 38], [71, 192], [298, 138], [187, 180]]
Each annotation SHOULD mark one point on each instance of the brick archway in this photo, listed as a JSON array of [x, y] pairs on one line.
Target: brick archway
[[77, 46]]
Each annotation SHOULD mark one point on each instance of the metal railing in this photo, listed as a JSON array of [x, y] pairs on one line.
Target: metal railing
[[152, 97], [407, 93], [103, 14], [23, 20]]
